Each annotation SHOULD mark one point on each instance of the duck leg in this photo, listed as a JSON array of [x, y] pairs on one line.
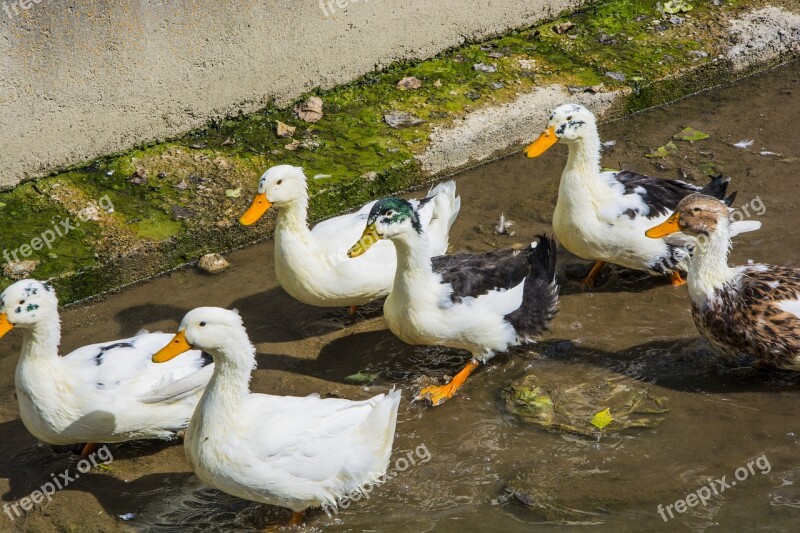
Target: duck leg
[[88, 449], [297, 518], [438, 394], [591, 278], [676, 279]]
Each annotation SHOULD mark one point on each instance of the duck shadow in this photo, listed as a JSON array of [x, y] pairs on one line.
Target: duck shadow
[[165, 501], [274, 316], [683, 364], [269, 316], [612, 278]]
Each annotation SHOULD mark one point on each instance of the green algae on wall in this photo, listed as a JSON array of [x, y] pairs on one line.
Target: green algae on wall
[[178, 199]]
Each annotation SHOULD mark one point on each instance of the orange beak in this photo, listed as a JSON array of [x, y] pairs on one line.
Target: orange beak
[[176, 346], [543, 143], [257, 209], [5, 325], [668, 227]]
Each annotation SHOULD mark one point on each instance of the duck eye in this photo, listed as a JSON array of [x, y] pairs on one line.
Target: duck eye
[[390, 213], [22, 302], [202, 324], [279, 182], [569, 117], [696, 209]]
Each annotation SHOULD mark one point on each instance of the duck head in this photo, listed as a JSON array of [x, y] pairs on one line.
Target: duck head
[[280, 185], [388, 218], [25, 304], [568, 123], [696, 215], [211, 329]]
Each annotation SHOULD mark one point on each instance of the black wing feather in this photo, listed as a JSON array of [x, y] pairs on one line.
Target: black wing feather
[[662, 195], [476, 274]]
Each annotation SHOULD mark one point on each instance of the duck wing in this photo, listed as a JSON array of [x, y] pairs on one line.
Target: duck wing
[[317, 440], [125, 368], [477, 274], [661, 196]]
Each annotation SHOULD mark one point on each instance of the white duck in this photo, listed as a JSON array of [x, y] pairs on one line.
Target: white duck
[[312, 265], [480, 302], [280, 450], [108, 392], [602, 216]]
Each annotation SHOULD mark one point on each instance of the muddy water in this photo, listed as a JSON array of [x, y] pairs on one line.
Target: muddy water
[[453, 463]]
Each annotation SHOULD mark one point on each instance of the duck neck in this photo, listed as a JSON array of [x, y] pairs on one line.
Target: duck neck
[[40, 343], [583, 162], [580, 174], [293, 217], [413, 263], [709, 270], [230, 384]]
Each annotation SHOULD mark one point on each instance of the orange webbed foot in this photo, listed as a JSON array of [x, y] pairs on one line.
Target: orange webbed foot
[[438, 394]]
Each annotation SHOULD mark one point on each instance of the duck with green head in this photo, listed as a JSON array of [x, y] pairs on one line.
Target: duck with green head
[[480, 302]]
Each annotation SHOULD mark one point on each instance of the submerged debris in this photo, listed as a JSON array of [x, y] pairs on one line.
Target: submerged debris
[[575, 409], [663, 151], [690, 134], [213, 263], [744, 144], [402, 119]]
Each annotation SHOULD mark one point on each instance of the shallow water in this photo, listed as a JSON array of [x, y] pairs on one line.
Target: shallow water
[[631, 328]]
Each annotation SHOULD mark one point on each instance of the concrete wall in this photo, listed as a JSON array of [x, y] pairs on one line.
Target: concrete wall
[[83, 78]]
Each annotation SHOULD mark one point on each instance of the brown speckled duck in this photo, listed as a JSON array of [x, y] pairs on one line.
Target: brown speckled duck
[[752, 309]]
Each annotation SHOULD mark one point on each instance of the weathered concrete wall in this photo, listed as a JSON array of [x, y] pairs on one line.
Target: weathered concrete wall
[[84, 78]]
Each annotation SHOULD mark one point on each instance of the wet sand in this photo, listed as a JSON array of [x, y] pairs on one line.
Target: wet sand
[[631, 328]]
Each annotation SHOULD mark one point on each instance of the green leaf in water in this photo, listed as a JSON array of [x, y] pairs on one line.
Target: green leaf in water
[[361, 377], [233, 193], [603, 418], [708, 169], [690, 134], [663, 151]]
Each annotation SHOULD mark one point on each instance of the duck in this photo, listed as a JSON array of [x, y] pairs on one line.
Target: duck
[[601, 216], [751, 310], [311, 264], [292, 452], [102, 393], [483, 303]]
